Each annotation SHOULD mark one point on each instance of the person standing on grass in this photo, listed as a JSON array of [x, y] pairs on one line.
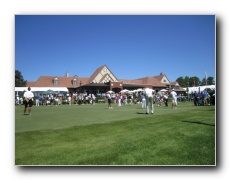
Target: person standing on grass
[[166, 99], [174, 99], [143, 101], [37, 101], [28, 95], [119, 99], [109, 100], [69, 100], [149, 100]]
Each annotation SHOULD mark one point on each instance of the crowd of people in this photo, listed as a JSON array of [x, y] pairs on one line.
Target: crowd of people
[[146, 97], [202, 98]]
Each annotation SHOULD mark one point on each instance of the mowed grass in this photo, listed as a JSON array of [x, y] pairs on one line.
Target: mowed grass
[[94, 135]]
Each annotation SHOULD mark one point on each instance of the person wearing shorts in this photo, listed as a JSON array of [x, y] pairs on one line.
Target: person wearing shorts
[[28, 95]]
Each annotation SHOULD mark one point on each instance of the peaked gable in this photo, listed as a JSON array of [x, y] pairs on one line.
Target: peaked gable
[[102, 75], [163, 79], [146, 81]]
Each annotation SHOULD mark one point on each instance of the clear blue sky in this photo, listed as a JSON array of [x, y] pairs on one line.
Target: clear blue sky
[[132, 46]]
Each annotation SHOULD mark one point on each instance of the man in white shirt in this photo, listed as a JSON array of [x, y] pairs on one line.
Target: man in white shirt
[[69, 100], [174, 99], [109, 101], [28, 95], [149, 100]]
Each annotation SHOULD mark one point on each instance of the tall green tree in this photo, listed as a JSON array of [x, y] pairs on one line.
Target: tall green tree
[[195, 81], [181, 81], [19, 81], [189, 81], [210, 81], [203, 82]]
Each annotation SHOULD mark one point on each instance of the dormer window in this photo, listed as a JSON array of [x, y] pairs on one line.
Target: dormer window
[[75, 79], [55, 81], [74, 82]]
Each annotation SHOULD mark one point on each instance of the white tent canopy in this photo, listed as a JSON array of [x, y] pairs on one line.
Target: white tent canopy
[[33, 89], [125, 90], [201, 88]]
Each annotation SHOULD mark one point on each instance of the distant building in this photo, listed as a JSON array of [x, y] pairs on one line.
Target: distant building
[[102, 80]]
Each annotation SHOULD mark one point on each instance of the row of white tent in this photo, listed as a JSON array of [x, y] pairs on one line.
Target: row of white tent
[[126, 91], [34, 89], [188, 89], [199, 88], [41, 90]]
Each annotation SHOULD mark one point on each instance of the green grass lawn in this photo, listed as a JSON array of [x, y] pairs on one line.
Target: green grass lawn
[[95, 135]]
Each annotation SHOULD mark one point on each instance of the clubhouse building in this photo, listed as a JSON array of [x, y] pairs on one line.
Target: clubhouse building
[[101, 81]]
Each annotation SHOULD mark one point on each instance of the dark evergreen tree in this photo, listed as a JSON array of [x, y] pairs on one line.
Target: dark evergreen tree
[[19, 81], [181, 81], [210, 81], [187, 81]]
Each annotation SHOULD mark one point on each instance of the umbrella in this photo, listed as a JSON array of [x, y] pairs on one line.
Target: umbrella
[[163, 90], [110, 92], [138, 90], [130, 92], [124, 90]]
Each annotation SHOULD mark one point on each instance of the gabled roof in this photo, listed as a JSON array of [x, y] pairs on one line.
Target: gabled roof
[[93, 76], [98, 70], [161, 77], [48, 81], [153, 81], [174, 83], [66, 81], [150, 80]]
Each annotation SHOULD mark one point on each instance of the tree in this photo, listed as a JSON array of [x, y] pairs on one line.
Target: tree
[[19, 81], [194, 81], [187, 81], [203, 82], [210, 81], [181, 81]]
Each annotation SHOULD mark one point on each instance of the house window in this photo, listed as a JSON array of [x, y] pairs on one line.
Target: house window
[[75, 79], [74, 82], [55, 81]]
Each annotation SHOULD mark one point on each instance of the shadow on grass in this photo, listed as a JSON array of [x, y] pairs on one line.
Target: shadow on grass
[[196, 122], [26, 114], [140, 112]]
